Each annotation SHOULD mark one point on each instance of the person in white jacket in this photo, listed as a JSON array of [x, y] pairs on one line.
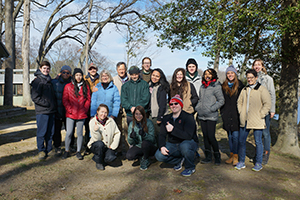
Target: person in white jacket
[[105, 137]]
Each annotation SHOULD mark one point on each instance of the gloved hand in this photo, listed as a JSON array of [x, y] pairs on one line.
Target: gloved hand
[[132, 134], [142, 132]]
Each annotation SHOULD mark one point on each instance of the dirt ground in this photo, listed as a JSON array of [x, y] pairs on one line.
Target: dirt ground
[[23, 176]]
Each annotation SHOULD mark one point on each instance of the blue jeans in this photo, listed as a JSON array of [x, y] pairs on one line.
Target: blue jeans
[[185, 149], [258, 142], [233, 140], [45, 131], [266, 134]]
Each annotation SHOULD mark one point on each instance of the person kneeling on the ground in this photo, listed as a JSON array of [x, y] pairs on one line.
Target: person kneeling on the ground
[[182, 138], [105, 137], [141, 138]]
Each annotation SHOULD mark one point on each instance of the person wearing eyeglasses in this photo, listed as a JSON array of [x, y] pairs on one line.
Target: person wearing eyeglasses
[[180, 129], [254, 103], [60, 117]]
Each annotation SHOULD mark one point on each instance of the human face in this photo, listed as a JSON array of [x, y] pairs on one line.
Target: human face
[[251, 79], [92, 71], [175, 107], [192, 68], [78, 77], [102, 113], [65, 74], [155, 76], [146, 65], [207, 76], [45, 70], [121, 71], [230, 76], [138, 116], [134, 77], [179, 76], [257, 66], [104, 78]]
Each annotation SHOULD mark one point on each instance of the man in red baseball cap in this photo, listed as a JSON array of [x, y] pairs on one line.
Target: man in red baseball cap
[[182, 145]]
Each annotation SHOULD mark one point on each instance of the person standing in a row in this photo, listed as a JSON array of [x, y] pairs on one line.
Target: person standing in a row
[[43, 96], [77, 100]]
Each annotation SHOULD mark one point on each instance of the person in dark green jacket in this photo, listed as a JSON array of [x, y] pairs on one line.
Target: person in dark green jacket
[[141, 138], [134, 92]]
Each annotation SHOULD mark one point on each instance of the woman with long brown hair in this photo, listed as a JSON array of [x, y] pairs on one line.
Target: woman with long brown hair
[[184, 89], [141, 138], [231, 88]]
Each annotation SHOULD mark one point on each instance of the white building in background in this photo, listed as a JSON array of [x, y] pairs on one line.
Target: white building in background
[[17, 84]]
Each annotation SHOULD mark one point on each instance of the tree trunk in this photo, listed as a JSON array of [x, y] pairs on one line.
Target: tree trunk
[[25, 55], [217, 61], [9, 63], [287, 141], [87, 49], [243, 69]]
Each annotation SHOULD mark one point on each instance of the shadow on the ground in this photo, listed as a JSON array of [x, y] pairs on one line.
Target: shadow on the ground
[[17, 136]]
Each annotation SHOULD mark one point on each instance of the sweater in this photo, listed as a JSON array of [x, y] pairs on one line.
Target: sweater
[[109, 134], [259, 106], [267, 81]]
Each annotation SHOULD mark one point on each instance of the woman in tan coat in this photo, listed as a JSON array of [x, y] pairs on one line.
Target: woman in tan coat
[[254, 104]]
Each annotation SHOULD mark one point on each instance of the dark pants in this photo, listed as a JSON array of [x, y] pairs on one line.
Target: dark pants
[[57, 132], [87, 131], [209, 135], [102, 154], [148, 149], [45, 131]]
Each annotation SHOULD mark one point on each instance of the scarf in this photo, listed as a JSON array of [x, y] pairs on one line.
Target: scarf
[[124, 80], [95, 78], [230, 84], [103, 122], [206, 84], [189, 75], [105, 85]]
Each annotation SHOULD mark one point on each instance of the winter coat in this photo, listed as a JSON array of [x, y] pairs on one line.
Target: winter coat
[[267, 81], [229, 111], [109, 96], [58, 86], [135, 93], [42, 94], [76, 107], [118, 82], [196, 81], [184, 129], [259, 106], [109, 134], [158, 101], [137, 141], [92, 83], [210, 100]]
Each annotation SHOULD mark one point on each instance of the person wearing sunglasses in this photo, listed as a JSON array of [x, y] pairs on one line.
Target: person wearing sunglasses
[[60, 117], [182, 144]]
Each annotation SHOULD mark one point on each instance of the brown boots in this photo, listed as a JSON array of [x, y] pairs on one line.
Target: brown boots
[[232, 159]]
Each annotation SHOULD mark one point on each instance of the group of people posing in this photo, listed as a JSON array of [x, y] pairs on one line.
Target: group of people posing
[[161, 116]]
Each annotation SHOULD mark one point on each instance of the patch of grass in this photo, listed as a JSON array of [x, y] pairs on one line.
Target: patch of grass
[[22, 165]]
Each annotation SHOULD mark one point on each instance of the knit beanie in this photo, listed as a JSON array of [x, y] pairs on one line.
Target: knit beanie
[[77, 70], [191, 61], [134, 70], [177, 99], [231, 68], [66, 67]]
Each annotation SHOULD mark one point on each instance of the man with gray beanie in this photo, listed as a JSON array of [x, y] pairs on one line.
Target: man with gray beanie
[[60, 117]]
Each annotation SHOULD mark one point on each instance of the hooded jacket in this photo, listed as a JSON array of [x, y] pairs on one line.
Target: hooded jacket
[[42, 94]]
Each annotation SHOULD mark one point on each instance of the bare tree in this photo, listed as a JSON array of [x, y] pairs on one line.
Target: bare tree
[[25, 54]]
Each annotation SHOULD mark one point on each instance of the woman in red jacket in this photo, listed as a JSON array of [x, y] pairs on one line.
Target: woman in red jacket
[[77, 100]]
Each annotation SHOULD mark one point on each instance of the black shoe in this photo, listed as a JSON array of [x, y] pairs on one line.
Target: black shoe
[[58, 151], [207, 158], [79, 156], [100, 166], [265, 158], [217, 156], [66, 155], [87, 151]]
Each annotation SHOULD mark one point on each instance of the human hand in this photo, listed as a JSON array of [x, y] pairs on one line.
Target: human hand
[[158, 122], [96, 127], [94, 89], [272, 115], [132, 134], [142, 132], [164, 151], [132, 109], [169, 127]]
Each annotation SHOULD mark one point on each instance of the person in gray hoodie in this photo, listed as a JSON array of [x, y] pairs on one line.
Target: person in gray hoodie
[[210, 100], [267, 81]]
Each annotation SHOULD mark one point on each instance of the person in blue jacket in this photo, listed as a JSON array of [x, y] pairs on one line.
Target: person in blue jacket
[[107, 93]]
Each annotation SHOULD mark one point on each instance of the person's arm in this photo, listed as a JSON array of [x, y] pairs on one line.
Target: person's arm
[[94, 104], [266, 102], [162, 103], [194, 97], [116, 102], [65, 98], [271, 90], [150, 136], [88, 99], [117, 135], [36, 94], [162, 134], [145, 94], [241, 100], [125, 97], [220, 98]]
